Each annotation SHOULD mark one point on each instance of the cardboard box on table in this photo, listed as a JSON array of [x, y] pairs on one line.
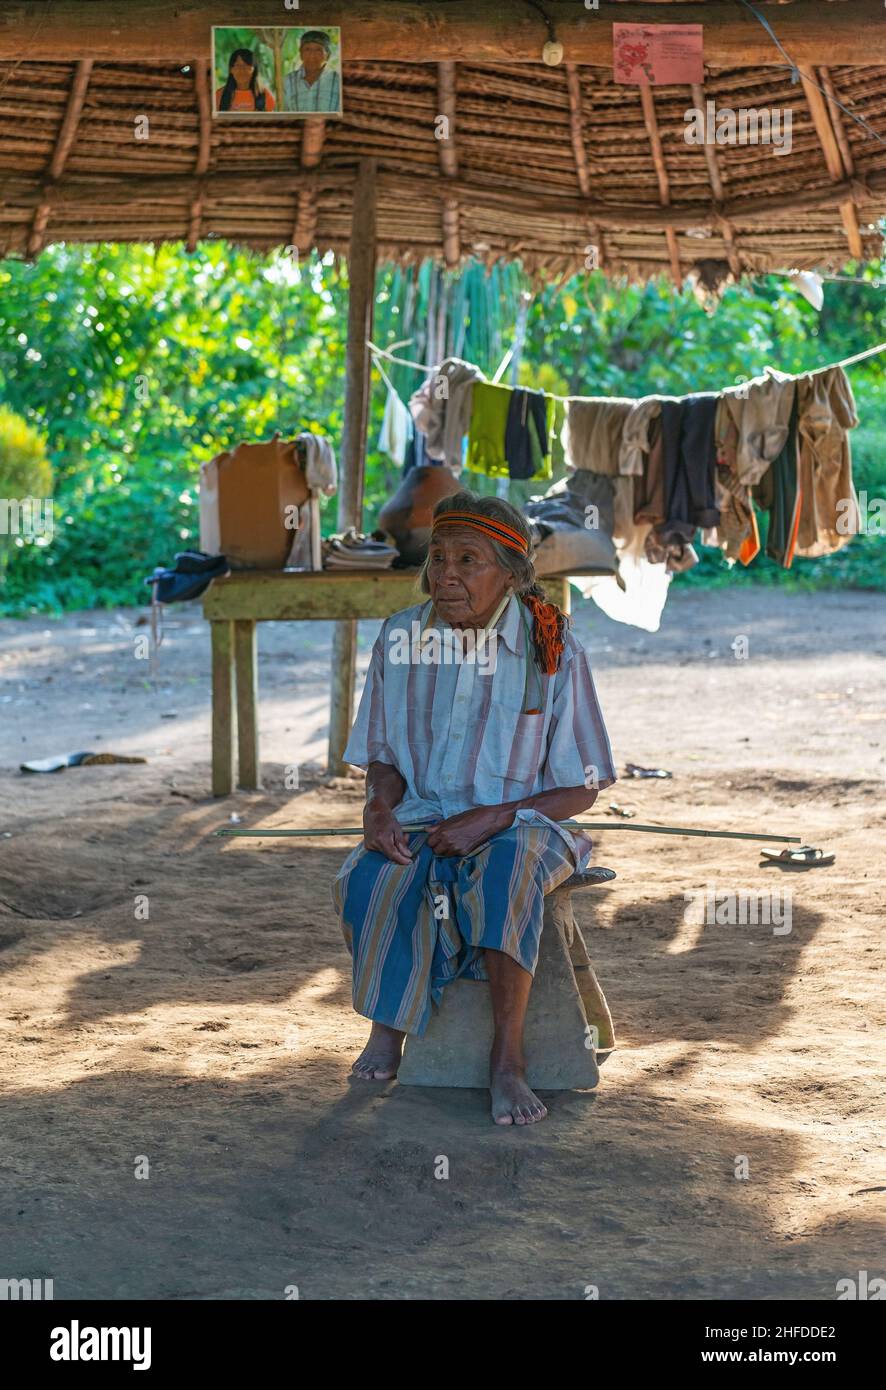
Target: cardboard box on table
[[247, 497]]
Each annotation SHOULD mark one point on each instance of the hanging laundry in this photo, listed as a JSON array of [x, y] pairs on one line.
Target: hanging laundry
[[639, 592], [778, 493], [649, 488], [592, 432], [689, 459], [441, 409], [527, 433], [320, 469], [829, 512], [489, 424], [761, 412], [635, 439], [396, 429]]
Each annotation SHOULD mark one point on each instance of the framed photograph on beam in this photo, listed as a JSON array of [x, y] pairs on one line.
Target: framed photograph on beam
[[284, 70]]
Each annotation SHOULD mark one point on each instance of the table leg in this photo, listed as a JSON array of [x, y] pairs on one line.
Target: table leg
[[246, 663], [222, 708]]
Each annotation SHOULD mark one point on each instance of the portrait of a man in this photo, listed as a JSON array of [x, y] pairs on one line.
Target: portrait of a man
[[314, 84]]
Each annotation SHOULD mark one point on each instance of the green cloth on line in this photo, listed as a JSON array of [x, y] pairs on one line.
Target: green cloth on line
[[486, 435]]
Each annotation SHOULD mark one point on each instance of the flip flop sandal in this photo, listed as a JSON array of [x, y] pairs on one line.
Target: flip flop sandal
[[624, 811], [634, 770], [806, 857]]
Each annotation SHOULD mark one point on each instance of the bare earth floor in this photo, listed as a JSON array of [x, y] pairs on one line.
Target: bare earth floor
[[214, 1038]]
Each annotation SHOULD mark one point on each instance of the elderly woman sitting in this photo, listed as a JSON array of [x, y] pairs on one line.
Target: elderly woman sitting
[[479, 723]]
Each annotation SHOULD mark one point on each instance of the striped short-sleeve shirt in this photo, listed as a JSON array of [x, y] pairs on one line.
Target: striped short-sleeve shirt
[[477, 724]]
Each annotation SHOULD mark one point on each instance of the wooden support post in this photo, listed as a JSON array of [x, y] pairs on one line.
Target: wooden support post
[[361, 301], [246, 666], [305, 227], [222, 708], [446, 80]]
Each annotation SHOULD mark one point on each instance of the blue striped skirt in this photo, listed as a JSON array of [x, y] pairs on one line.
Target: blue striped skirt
[[411, 928]]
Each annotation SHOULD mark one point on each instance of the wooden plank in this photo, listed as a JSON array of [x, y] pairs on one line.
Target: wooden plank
[[222, 708], [246, 667], [408, 31], [275, 596]]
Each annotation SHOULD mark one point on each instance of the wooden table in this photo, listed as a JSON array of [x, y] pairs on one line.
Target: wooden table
[[234, 605]]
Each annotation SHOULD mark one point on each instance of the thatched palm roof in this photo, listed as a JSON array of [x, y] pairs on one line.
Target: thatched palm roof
[[543, 161]]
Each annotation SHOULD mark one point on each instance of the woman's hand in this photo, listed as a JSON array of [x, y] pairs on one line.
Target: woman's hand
[[462, 833], [383, 832]]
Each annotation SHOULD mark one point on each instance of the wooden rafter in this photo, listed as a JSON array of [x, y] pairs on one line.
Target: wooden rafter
[[63, 145], [716, 181], [579, 152], [848, 209], [830, 147], [201, 87], [305, 229], [664, 184], [448, 153]]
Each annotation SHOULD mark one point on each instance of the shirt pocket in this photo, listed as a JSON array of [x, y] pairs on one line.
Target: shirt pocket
[[513, 743]]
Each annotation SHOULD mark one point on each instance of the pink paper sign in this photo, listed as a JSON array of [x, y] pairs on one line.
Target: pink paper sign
[[659, 55]]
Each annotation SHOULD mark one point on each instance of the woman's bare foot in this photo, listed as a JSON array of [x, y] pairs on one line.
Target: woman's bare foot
[[513, 1103], [380, 1057]]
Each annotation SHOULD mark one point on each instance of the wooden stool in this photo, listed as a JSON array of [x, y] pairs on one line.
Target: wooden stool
[[568, 1023]]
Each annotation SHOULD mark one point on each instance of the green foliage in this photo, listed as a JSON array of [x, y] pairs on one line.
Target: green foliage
[[25, 474], [137, 364]]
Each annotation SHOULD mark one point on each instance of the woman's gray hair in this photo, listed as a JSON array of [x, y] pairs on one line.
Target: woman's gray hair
[[520, 567]]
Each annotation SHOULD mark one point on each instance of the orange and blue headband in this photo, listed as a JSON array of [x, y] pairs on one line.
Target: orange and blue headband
[[489, 526]]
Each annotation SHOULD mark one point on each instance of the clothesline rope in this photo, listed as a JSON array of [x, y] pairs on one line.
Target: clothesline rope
[[378, 353]]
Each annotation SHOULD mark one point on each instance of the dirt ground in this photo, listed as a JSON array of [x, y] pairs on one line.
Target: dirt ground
[[209, 1045]]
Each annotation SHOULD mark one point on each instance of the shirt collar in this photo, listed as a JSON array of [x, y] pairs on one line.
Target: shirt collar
[[508, 626]]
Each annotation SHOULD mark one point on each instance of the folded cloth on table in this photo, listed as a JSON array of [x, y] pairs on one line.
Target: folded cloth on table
[[320, 470], [352, 550]]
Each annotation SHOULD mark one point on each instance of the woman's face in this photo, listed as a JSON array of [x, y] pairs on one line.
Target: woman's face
[[242, 72], [465, 579]]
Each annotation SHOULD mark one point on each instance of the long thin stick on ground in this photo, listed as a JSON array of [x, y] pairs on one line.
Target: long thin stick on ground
[[569, 824]]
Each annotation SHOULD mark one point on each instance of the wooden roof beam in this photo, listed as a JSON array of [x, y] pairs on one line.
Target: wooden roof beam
[[818, 106], [664, 184], [104, 197], [448, 154], [63, 145], [409, 31]]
